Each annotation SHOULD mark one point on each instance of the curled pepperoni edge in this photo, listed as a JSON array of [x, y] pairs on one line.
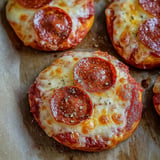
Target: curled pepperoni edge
[[88, 114], [43, 37], [134, 111], [114, 76], [33, 4], [34, 93]]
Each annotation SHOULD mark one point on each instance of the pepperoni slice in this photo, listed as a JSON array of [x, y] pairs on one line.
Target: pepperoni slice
[[149, 34], [135, 109], [34, 94], [33, 3], [52, 25], [94, 74], [151, 6], [70, 105]]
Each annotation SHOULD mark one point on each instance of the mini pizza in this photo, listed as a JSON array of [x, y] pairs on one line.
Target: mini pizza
[[134, 29], [156, 97], [50, 25], [86, 101]]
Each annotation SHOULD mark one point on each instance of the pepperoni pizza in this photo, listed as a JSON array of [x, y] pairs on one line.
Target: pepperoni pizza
[[50, 25], [134, 29], [86, 101], [156, 97]]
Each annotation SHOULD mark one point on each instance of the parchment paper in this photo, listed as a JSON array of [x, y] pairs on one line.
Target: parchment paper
[[20, 136]]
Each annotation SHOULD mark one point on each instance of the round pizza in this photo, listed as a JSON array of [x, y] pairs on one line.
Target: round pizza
[[50, 25], [134, 29], [87, 101], [156, 97]]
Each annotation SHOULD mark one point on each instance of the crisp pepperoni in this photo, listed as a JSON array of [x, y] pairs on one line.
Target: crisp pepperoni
[[52, 25], [149, 34], [33, 3], [70, 105], [151, 6], [135, 109], [34, 94], [94, 74]]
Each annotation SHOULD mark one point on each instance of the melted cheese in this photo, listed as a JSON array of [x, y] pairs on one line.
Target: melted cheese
[[129, 15], [24, 28], [109, 113], [15, 11]]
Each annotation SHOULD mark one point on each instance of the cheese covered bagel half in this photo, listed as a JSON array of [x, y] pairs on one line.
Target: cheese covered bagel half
[[50, 25], [87, 101], [134, 29]]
